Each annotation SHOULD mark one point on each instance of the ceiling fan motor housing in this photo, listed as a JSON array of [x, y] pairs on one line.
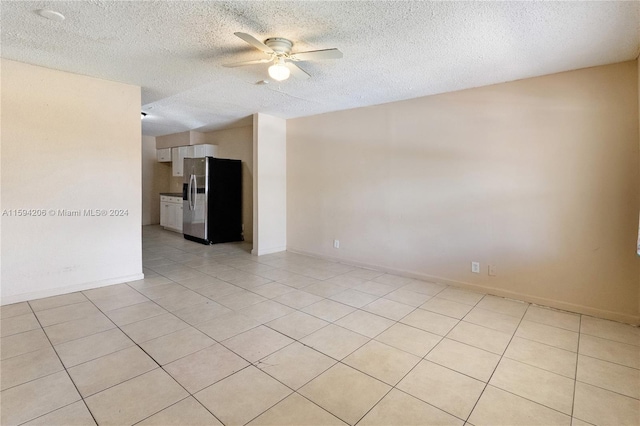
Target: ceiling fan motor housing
[[279, 45]]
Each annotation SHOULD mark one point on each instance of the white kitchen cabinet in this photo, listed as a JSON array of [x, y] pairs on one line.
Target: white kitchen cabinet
[[177, 159], [164, 155], [171, 213], [199, 151]]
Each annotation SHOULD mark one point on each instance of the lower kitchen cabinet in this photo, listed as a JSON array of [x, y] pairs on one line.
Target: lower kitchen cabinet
[[171, 213]]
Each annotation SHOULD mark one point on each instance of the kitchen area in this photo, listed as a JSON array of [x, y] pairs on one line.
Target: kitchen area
[[163, 173]]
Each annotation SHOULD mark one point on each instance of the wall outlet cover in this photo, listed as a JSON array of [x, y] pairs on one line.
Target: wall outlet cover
[[475, 267]]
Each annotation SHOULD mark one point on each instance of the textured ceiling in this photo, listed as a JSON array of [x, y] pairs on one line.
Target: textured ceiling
[[175, 50]]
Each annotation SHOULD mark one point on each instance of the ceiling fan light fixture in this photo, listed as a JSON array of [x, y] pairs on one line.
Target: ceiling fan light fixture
[[279, 71]]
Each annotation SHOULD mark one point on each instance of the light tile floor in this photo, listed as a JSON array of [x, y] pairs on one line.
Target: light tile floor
[[213, 335]]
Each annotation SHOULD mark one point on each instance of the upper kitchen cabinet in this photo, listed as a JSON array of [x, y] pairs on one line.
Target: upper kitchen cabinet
[[199, 151], [164, 155], [178, 155]]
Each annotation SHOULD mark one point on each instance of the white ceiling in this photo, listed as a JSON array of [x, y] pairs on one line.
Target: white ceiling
[[175, 50]]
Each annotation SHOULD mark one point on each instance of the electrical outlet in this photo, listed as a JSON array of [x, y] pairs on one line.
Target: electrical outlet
[[475, 267], [336, 244], [492, 270]]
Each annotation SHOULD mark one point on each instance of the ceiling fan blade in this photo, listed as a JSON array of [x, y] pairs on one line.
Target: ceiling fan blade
[[254, 42], [314, 55], [243, 63], [296, 71]]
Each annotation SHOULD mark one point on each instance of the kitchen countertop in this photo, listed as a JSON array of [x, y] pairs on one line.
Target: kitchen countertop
[[172, 194]]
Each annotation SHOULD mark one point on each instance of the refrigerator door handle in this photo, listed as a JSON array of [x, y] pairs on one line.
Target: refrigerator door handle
[[189, 192], [194, 188]]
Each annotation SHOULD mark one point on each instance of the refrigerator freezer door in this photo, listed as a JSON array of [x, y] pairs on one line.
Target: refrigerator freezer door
[[195, 199]]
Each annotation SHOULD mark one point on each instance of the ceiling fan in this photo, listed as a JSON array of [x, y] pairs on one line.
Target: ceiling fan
[[279, 51]]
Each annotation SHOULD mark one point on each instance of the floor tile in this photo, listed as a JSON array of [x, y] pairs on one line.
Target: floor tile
[[424, 287], [295, 364], [91, 347], [296, 410], [135, 313], [203, 368], [497, 407], [13, 310], [493, 320], [541, 386], [226, 326], [346, 281], [429, 321], [272, 290], [608, 350], [328, 310], [71, 330], [110, 303], [394, 280], [257, 343], [553, 317], [18, 324], [389, 309], [381, 361], [180, 301], [202, 312], [558, 337], [136, 399], [480, 337], [445, 389], [337, 342], [345, 392], [354, 298], [364, 274], [56, 301], [186, 412], [407, 297], [171, 347], [26, 367], [461, 296], [66, 313], [374, 288], [240, 300], [243, 396], [543, 356], [109, 370], [75, 414], [218, 290], [602, 407], [163, 290], [399, 408], [606, 375], [500, 305], [108, 291], [36, 398], [364, 323], [446, 307], [297, 325], [578, 422], [409, 339], [324, 289], [610, 330], [464, 359], [266, 311], [154, 327], [298, 299], [22, 343]]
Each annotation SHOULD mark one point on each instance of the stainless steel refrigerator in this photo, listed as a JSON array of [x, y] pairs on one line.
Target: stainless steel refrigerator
[[212, 200]]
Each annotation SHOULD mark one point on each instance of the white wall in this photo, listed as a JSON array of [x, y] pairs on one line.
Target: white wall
[[539, 177], [155, 179], [68, 142], [269, 184]]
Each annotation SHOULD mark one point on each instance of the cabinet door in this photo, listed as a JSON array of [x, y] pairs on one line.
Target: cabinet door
[[164, 214], [164, 155], [179, 218], [177, 157]]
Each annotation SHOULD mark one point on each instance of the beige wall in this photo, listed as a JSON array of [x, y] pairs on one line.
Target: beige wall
[[538, 177], [269, 184], [155, 179], [237, 144], [68, 142]]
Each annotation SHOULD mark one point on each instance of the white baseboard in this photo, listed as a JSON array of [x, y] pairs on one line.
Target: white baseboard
[[557, 304], [268, 250], [22, 297]]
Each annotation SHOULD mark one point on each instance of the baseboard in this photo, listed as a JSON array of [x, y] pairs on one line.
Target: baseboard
[[68, 289], [556, 304], [268, 250]]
